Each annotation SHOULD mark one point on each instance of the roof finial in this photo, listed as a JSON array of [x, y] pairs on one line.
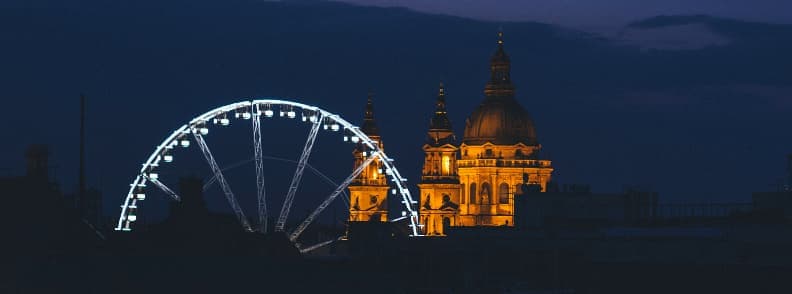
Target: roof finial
[[500, 36], [442, 89]]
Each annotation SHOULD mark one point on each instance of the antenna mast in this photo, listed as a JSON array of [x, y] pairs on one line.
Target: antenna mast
[[81, 193]]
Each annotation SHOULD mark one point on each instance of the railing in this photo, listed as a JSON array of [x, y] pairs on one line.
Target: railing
[[503, 163]]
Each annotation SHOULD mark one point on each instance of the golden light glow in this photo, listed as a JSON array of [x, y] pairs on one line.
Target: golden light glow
[[446, 164]]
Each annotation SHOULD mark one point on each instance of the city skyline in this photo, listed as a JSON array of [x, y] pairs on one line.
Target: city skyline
[[700, 109], [311, 146]]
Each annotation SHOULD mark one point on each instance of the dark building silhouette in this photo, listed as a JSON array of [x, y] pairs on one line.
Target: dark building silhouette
[[37, 157], [777, 204], [576, 205], [192, 207]]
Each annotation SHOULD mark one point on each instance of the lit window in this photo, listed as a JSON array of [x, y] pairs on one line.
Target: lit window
[[446, 164], [503, 193]]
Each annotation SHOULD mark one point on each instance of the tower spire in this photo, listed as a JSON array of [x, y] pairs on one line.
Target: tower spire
[[369, 124], [440, 130], [440, 105], [439, 176], [500, 84], [370, 188]]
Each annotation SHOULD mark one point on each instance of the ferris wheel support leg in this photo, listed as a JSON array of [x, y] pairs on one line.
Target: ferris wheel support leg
[[294, 235], [298, 173], [261, 191], [164, 188], [221, 179]]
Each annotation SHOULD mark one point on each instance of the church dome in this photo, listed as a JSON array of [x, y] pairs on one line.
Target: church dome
[[500, 121]]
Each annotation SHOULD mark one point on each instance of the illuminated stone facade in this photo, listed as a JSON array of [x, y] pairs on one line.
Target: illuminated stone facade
[[368, 192], [439, 188], [475, 183]]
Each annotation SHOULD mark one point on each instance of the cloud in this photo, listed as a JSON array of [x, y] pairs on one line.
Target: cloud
[[672, 37]]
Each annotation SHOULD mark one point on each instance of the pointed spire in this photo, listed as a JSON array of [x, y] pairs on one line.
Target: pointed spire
[[440, 130], [440, 105], [369, 106], [500, 73], [369, 124], [440, 120]]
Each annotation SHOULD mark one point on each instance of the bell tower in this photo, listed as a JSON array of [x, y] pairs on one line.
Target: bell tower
[[439, 186], [368, 193]]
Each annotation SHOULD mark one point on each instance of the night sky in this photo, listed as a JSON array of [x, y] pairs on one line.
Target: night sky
[[595, 14], [695, 107]]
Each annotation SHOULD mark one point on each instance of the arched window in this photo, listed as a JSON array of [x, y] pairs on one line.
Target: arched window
[[486, 196], [503, 193], [472, 193]]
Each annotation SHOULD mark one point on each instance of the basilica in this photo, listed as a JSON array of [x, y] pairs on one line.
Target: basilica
[[472, 182]]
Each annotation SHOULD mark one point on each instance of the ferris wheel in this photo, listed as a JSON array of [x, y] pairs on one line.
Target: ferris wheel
[[257, 111]]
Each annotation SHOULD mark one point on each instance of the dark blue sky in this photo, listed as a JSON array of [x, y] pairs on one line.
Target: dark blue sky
[[705, 121]]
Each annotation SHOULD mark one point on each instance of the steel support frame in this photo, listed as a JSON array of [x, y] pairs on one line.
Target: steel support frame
[[284, 214], [297, 231], [221, 179]]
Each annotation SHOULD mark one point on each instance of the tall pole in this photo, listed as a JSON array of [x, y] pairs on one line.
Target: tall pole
[[81, 193], [789, 172]]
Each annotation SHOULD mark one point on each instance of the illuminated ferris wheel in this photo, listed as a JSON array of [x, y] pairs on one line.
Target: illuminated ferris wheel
[[257, 111]]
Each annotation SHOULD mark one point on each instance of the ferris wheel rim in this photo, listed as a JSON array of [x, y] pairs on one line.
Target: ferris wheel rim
[[144, 176]]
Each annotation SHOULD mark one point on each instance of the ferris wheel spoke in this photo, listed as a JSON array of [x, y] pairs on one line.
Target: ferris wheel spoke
[[261, 191], [316, 172], [211, 180], [294, 235], [164, 188], [221, 179], [320, 245], [298, 172]]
